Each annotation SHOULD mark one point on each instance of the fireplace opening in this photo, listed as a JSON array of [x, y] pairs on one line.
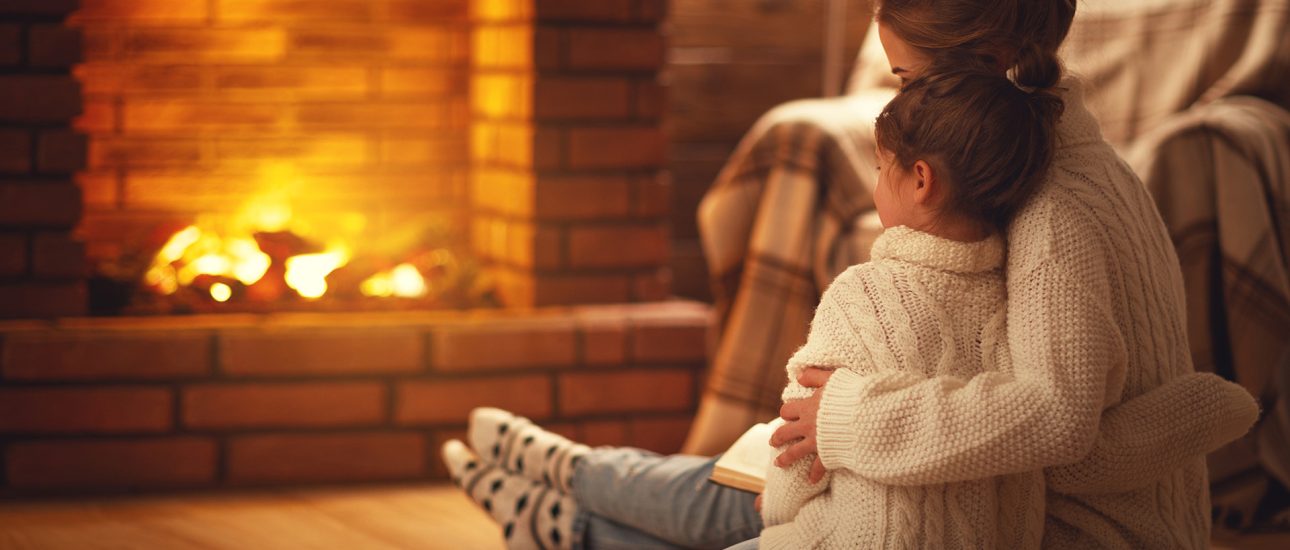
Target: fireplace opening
[[273, 155]]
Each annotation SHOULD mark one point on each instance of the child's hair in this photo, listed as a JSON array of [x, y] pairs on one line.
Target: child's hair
[[1026, 33], [989, 140]]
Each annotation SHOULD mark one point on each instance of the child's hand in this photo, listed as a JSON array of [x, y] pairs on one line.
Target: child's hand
[[800, 428]]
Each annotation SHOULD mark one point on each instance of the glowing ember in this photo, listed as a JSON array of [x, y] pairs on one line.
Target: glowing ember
[[307, 273], [221, 292], [403, 281]]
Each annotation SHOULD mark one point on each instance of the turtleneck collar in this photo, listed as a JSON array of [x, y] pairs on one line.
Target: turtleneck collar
[[928, 250]]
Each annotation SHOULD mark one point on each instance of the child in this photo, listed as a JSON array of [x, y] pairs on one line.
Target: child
[[959, 153]]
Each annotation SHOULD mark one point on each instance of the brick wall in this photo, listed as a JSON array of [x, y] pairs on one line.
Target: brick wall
[[569, 195], [128, 404], [200, 106], [42, 267]]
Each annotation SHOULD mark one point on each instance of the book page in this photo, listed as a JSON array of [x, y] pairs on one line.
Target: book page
[[744, 465]]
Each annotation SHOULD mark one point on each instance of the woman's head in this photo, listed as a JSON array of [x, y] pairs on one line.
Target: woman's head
[[962, 147], [997, 35]]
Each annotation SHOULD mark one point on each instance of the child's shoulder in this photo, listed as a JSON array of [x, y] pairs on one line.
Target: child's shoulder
[[864, 277]]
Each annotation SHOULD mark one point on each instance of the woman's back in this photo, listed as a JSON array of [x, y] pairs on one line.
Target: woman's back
[[1091, 268]]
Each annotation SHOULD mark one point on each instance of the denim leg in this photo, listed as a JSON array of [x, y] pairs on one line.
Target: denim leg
[[668, 497]]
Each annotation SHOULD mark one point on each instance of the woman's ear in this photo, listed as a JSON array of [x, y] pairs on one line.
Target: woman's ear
[[925, 182]]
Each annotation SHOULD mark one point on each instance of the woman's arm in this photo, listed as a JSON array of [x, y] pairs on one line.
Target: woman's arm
[[1152, 434]]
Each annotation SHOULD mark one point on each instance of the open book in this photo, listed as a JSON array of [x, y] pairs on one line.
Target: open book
[[745, 464]]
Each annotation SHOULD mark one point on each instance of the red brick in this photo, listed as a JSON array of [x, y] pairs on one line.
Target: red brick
[[549, 146], [582, 10], [53, 46], [291, 405], [184, 114], [572, 98], [613, 433], [292, 458], [15, 151], [151, 11], [420, 11], [39, 7], [670, 339], [662, 435], [550, 290], [95, 410], [270, 352], [622, 147], [651, 100], [653, 196], [112, 464], [582, 197], [265, 11], [40, 204], [145, 153], [92, 355], [13, 254], [437, 468], [42, 300], [61, 152], [651, 11], [423, 81], [615, 49], [188, 45], [97, 116], [57, 256], [548, 48], [626, 391], [113, 78], [10, 44], [653, 285], [450, 401], [604, 339], [332, 81], [39, 98], [503, 344], [617, 246], [311, 151]]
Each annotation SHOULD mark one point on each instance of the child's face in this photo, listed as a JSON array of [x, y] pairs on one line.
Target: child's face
[[894, 195]]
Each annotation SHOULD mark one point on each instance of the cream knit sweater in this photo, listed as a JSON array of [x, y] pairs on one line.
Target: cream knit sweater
[[923, 306], [1094, 317]]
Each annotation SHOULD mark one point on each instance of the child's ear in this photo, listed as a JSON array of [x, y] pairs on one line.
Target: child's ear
[[925, 182]]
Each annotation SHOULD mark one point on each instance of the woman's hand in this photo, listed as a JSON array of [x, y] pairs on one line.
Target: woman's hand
[[800, 427]]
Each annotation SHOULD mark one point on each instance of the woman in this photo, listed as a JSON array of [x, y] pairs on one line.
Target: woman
[[1095, 319]]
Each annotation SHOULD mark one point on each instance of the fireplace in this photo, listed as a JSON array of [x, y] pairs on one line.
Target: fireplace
[[169, 164]]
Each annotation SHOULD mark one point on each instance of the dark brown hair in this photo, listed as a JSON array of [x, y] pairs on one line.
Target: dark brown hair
[[1018, 35], [988, 140]]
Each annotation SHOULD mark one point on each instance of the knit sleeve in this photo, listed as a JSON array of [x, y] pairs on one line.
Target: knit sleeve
[[1152, 434], [1067, 356]]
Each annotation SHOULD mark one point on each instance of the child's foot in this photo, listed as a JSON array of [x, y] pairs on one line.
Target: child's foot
[[532, 515], [521, 447]]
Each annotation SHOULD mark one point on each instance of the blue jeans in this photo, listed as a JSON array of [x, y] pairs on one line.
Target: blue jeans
[[630, 498]]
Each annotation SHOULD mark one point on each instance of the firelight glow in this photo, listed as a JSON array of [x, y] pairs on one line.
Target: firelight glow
[[221, 292], [403, 281], [307, 273]]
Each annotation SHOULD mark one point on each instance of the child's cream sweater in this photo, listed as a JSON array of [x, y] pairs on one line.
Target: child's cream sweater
[[923, 306]]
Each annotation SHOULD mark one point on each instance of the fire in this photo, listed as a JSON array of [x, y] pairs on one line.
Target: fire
[[403, 281], [307, 273]]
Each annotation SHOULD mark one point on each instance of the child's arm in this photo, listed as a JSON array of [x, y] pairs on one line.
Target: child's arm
[[1068, 356], [1152, 434]]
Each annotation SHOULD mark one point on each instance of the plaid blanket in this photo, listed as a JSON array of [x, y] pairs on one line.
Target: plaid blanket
[[1220, 174], [774, 235]]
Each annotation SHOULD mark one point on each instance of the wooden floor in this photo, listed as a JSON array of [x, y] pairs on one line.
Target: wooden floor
[[377, 518], [415, 517]]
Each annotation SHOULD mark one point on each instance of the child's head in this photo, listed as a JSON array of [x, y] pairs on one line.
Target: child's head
[[962, 149]]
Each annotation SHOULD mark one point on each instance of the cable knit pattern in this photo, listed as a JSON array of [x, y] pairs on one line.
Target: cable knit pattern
[[1094, 317], [923, 306]]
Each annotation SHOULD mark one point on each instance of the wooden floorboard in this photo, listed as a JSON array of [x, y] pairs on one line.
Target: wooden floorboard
[[411, 518], [372, 518]]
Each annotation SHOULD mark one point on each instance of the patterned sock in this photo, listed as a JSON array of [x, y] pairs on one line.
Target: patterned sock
[[532, 515], [523, 448]]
